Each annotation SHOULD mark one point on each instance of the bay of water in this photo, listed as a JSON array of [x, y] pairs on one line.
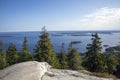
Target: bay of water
[[110, 38]]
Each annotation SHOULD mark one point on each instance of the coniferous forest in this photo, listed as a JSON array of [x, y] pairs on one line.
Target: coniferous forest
[[93, 60]]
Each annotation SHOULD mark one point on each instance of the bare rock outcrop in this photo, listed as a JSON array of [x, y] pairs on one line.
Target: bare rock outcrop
[[31, 70], [55, 74], [34, 70]]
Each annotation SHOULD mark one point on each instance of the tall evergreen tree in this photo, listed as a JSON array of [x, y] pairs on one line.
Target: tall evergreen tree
[[74, 60], [63, 59], [94, 59], [25, 45], [11, 53], [24, 54], [44, 50]]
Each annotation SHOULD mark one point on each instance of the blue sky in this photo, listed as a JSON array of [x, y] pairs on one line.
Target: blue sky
[[31, 15]]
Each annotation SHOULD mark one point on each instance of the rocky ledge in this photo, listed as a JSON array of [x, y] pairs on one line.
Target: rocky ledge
[[34, 70]]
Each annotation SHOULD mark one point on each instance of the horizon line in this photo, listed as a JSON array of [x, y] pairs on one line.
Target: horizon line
[[58, 30]]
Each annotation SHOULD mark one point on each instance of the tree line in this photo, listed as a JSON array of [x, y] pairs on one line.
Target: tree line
[[93, 60]]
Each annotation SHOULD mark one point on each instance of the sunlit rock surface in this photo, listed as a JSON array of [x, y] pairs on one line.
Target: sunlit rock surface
[[25, 71], [55, 74], [34, 70]]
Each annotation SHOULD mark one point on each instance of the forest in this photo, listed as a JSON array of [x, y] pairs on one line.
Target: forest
[[93, 60]]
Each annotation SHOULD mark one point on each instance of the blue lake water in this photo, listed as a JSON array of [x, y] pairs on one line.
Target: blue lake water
[[110, 38]]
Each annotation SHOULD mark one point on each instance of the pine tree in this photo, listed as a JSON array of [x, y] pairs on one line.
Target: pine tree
[[44, 50], [63, 59], [24, 54], [94, 59], [74, 60], [11, 53]]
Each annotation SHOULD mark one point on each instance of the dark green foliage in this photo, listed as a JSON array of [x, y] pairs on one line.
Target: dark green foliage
[[1, 44], [110, 63], [74, 60], [117, 72], [24, 54], [25, 45], [25, 57], [113, 49], [44, 50], [94, 59], [95, 47], [70, 47], [118, 57], [110, 49], [63, 59], [12, 56], [112, 58], [117, 48], [3, 62]]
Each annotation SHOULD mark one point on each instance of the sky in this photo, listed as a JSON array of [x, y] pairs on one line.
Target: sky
[[57, 15]]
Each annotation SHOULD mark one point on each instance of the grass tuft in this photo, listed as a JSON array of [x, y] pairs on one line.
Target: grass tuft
[[102, 75]]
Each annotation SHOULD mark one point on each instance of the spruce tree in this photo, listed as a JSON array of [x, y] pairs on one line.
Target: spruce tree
[[63, 59], [44, 50], [11, 53], [25, 45], [24, 54], [94, 60], [74, 60]]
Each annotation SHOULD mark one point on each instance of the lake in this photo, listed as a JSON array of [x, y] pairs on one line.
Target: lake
[[80, 39]]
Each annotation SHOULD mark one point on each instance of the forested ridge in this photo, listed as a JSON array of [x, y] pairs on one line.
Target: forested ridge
[[93, 60]]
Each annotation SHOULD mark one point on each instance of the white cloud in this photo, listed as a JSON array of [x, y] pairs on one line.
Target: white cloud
[[103, 19]]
